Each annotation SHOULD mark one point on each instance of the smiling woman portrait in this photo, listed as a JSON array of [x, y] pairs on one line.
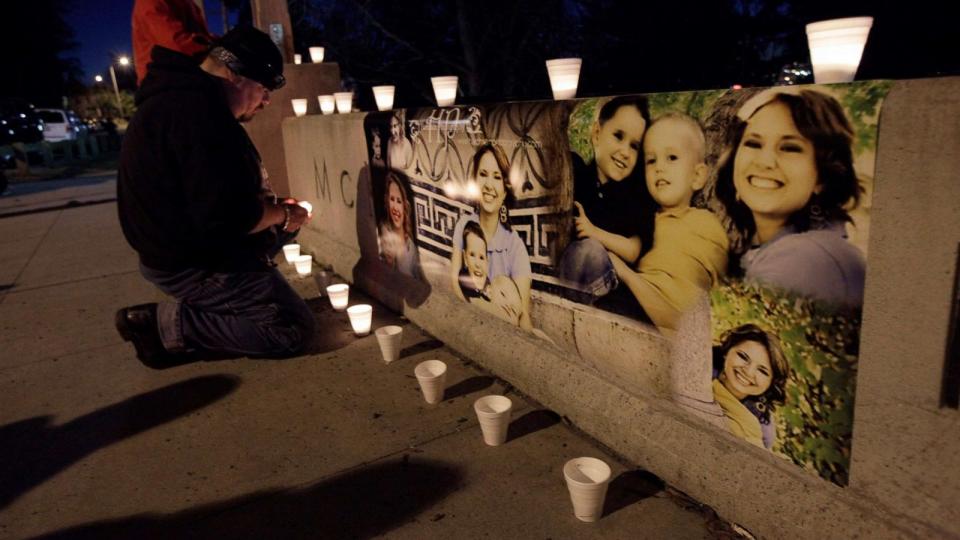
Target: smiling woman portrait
[[506, 253], [751, 378], [396, 244], [787, 188]]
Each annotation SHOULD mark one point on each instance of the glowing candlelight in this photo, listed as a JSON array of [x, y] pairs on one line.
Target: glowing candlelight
[[304, 264], [297, 59], [344, 101], [339, 295], [361, 316], [564, 77], [384, 97], [836, 47], [291, 251], [327, 104], [445, 90], [316, 54], [299, 106]]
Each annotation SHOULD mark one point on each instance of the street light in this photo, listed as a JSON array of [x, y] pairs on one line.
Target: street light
[[98, 78], [123, 61]]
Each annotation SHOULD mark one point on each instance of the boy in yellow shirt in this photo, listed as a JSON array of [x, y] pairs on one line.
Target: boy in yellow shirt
[[689, 250]]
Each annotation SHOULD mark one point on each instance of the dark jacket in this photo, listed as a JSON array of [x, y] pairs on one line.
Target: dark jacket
[[189, 180]]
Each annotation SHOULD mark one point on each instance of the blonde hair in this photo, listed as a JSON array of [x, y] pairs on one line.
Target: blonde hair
[[694, 127]]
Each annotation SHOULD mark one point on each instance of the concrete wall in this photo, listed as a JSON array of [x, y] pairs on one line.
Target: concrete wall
[[303, 81], [607, 374]]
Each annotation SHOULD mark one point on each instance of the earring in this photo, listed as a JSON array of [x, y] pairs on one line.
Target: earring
[[503, 214], [818, 217]]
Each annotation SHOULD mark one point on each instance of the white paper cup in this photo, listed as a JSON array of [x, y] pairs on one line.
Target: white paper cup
[[290, 251], [299, 106], [494, 415], [432, 376], [445, 90], [587, 480], [339, 294], [389, 338], [328, 104], [361, 315], [304, 264], [344, 101]]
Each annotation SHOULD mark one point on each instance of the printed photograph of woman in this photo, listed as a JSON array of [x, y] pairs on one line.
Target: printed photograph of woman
[[750, 378], [395, 232], [787, 190], [505, 252]]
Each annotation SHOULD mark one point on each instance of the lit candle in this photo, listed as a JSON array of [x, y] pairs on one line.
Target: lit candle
[[339, 295], [564, 77], [290, 251], [299, 106], [384, 97], [445, 90], [344, 101], [836, 47], [304, 264], [297, 59], [327, 104], [361, 316], [316, 54]]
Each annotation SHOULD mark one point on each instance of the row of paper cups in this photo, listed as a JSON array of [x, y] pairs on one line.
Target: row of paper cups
[[587, 478]]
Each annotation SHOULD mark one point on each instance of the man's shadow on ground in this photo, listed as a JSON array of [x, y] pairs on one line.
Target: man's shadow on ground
[[361, 503], [33, 450]]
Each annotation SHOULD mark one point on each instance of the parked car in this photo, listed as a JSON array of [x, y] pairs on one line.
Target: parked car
[[61, 125], [19, 122]]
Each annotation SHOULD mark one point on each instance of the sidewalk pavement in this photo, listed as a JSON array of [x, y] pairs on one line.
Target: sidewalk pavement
[[333, 444]]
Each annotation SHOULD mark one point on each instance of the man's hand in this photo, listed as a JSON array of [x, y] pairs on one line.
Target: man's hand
[[298, 215]]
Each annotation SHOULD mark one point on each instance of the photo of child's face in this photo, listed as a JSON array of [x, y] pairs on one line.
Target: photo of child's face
[[774, 171], [672, 163], [376, 145], [617, 144], [395, 205], [475, 259], [746, 370]]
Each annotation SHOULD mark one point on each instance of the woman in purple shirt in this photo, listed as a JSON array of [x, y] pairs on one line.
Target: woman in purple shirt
[[506, 253], [786, 189]]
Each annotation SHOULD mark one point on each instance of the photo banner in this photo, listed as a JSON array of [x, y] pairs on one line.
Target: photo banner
[[754, 200]]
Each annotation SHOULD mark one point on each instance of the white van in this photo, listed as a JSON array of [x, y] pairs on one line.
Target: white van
[[60, 125]]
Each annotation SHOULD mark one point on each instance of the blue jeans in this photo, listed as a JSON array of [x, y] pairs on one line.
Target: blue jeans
[[248, 313], [585, 267]]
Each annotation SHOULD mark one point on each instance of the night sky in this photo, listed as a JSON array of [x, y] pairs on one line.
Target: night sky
[[102, 30]]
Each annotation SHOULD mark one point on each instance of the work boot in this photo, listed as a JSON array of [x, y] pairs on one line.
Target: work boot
[[138, 325]]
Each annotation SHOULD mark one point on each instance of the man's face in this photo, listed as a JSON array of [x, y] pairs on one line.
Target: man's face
[[246, 98]]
